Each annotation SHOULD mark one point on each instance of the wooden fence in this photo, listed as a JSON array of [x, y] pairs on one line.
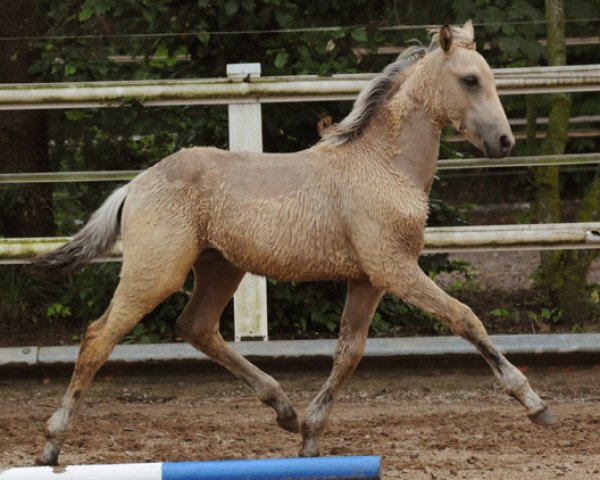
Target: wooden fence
[[243, 91]]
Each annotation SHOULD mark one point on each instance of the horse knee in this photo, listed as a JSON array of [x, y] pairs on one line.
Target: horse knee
[[468, 324]]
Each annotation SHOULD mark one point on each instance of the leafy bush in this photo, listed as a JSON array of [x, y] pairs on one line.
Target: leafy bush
[[134, 137]]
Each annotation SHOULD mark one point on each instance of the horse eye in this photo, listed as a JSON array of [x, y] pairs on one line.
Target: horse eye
[[470, 80]]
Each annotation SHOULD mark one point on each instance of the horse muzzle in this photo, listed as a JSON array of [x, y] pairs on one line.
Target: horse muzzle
[[499, 148]]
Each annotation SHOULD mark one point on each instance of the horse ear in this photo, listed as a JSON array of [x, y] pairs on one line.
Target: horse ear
[[468, 26], [445, 38]]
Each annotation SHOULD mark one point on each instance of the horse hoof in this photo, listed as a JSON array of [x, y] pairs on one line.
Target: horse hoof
[[543, 417], [310, 447], [306, 453], [290, 424]]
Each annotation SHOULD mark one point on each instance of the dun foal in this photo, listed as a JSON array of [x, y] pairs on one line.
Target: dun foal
[[353, 208]]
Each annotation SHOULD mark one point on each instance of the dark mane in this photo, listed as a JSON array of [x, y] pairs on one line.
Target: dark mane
[[371, 97], [378, 90]]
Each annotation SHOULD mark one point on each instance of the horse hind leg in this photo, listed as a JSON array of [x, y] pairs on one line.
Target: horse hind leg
[[215, 283], [361, 302], [140, 290]]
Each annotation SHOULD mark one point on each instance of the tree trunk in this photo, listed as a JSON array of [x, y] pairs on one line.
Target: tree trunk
[[25, 211], [570, 295], [562, 273], [547, 202]]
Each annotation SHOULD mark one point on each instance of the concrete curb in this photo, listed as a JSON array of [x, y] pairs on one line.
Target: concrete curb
[[167, 353]]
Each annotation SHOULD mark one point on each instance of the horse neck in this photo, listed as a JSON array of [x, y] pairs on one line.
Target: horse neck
[[410, 138], [405, 132]]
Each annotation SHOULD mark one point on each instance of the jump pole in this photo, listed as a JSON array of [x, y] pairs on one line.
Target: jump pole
[[320, 468]]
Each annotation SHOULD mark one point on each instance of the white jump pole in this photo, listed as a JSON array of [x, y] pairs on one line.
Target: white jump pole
[[319, 468]]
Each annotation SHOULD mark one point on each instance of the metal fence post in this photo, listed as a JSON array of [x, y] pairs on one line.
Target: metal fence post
[[245, 134]]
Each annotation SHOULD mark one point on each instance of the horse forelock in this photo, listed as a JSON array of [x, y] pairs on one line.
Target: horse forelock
[[380, 88]]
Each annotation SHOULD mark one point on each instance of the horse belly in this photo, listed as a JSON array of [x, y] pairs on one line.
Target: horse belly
[[287, 246]]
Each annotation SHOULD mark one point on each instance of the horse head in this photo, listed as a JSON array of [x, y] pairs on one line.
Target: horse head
[[466, 92]]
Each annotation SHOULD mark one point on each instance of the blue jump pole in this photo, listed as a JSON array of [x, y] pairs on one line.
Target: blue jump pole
[[320, 468]]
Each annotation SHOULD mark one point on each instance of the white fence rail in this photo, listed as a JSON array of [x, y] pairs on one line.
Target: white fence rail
[[437, 239], [510, 81], [453, 164], [242, 88]]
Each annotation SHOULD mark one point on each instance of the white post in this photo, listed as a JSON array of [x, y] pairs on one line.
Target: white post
[[245, 134]]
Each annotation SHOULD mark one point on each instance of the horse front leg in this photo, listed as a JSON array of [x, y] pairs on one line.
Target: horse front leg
[[361, 302], [416, 288]]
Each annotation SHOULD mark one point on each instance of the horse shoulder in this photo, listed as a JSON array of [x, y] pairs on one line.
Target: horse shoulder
[[386, 214]]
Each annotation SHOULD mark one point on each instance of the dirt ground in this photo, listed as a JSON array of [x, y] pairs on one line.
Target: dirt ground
[[426, 423]]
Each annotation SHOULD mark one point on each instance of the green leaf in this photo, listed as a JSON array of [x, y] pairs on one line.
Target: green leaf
[[508, 30], [248, 5], [500, 312], [509, 45], [281, 58], [231, 7], [359, 34], [204, 37], [103, 6], [58, 310], [85, 13]]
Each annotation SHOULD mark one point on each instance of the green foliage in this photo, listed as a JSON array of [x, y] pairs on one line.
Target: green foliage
[[58, 310], [541, 320], [304, 307], [14, 294], [309, 309], [91, 37], [507, 28], [149, 332]]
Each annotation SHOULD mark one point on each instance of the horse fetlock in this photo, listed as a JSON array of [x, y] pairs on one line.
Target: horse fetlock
[[278, 400], [50, 454], [283, 407], [313, 422], [58, 424], [289, 423], [518, 387], [269, 392], [516, 384]]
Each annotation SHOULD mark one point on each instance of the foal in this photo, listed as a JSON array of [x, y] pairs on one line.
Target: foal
[[353, 208]]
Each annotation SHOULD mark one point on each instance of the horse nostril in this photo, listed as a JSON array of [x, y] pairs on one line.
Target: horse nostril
[[505, 144]]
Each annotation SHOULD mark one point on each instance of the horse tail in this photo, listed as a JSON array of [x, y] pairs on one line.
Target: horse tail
[[95, 239]]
